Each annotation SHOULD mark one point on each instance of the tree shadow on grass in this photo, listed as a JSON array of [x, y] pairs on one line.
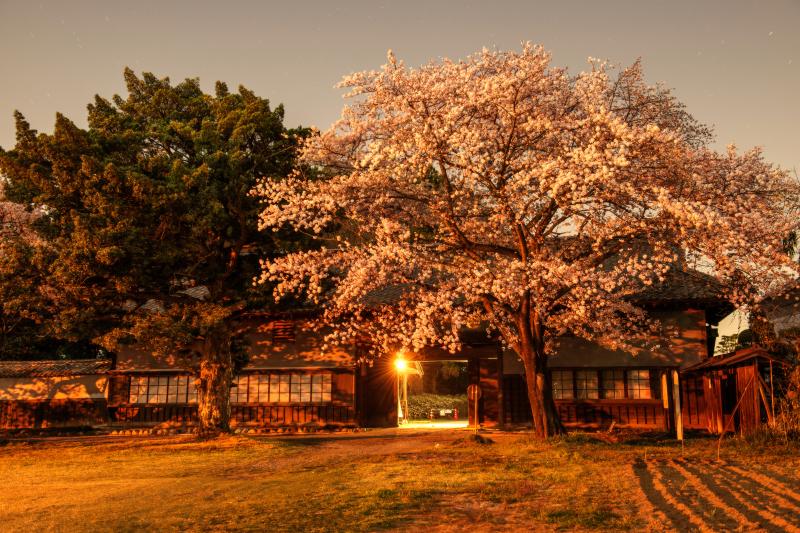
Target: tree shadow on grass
[[679, 520]]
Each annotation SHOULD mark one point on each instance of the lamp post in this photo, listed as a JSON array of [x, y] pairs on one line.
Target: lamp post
[[401, 365]]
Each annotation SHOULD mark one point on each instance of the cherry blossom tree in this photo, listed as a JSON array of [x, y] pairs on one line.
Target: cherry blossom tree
[[503, 191]]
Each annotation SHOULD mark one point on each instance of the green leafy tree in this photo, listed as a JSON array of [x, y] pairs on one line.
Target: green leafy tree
[[148, 231], [727, 344]]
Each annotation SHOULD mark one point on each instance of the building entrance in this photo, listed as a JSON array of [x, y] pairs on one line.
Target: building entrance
[[432, 394]]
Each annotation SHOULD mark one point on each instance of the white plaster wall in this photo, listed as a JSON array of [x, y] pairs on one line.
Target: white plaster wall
[[54, 388]]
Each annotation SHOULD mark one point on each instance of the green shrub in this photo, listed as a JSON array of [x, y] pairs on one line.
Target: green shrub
[[420, 405]]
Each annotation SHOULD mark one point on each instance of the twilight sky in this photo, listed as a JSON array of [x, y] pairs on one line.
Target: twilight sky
[[736, 64]]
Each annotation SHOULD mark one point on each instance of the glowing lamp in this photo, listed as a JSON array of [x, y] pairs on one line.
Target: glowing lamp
[[400, 364]]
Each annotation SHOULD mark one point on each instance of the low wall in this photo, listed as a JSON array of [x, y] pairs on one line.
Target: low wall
[[59, 413], [241, 415]]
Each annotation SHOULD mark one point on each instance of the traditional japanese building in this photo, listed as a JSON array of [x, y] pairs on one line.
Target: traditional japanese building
[[291, 382]]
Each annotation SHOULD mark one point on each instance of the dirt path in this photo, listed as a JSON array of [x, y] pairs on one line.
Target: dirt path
[[720, 496]]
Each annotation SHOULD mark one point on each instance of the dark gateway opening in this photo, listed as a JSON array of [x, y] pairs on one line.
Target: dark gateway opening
[[433, 394]]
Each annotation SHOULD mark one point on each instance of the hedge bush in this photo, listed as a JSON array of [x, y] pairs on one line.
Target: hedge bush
[[420, 405]]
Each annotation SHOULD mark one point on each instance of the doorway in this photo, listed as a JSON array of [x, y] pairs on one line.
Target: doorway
[[433, 394]]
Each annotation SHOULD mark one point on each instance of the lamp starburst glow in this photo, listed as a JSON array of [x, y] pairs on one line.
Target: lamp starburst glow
[[400, 364]]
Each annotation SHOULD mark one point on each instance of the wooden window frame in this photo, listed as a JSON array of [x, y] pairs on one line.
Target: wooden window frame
[[561, 383], [301, 388], [630, 380], [585, 390], [149, 389], [626, 372]]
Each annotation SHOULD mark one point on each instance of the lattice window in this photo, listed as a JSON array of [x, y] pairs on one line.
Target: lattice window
[[639, 385], [262, 387], [563, 385], [138, 389], [279, 388], [282, 388], [300, 388], [162, 389], [321, 387], [157, 389], [191, 390], [613, 382], [586, 384], [238, 392]]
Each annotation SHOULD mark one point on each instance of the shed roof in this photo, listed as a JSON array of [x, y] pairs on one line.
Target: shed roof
[[735, 358], [53, 368]]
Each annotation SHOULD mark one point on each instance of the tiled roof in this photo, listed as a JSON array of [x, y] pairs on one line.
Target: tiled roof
[[61, 367], [679, 285], [153, 306], [683, 285], [200, 292]]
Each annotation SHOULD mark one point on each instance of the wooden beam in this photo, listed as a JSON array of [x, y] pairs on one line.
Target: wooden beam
[[761, 387]]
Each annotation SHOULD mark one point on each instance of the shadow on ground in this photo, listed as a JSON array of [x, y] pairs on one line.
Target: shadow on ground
[[720, 496]]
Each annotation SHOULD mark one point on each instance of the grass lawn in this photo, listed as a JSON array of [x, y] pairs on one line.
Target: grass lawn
[[435, 480]]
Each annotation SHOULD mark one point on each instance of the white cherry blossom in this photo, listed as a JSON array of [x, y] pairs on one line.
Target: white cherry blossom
[[500, 191]]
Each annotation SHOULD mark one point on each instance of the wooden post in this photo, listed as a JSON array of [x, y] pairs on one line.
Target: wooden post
[[474, 395], [665, 398], [676, 396], [405, 395], [400, 413], [763, 395], [501, 411], [477, 416], [771, 392]]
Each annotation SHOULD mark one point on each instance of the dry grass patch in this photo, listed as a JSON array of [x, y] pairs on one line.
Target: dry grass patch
[[381, 480]]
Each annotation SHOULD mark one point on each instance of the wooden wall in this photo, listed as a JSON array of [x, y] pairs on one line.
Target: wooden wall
[[693, 402], [749, 414], [241, 415], [59, 413], [339, 412], [92, 386], [648, 414]]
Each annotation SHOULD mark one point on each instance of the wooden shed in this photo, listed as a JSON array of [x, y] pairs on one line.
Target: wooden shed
[[733, 392]]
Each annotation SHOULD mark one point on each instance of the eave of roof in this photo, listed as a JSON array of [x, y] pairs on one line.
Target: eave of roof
[[732, 359], [54, 368]]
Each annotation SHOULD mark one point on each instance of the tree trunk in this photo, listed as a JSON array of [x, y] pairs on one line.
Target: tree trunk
[[213, 398], [546, 422]]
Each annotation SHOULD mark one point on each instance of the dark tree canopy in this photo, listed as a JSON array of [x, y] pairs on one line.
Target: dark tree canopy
[[150, 200]]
